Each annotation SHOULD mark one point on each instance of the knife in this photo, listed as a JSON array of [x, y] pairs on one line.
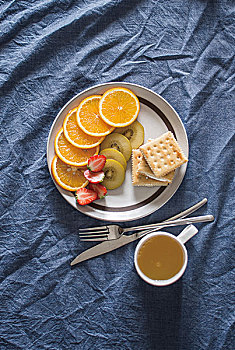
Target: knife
[[108, 246]]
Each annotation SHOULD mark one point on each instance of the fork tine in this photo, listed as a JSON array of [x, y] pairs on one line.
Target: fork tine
[[94, 239], [101, 232], [93, 228], [92, 236]]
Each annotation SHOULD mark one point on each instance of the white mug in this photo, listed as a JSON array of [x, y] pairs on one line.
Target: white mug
[[182, 238]]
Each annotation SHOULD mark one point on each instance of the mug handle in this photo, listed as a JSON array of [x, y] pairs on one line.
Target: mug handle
[[187, 233]]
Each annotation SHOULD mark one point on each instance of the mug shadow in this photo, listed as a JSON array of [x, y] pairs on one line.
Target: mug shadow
[[163, 315]]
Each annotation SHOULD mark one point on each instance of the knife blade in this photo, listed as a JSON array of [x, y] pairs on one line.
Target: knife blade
[[103, 248], [109, 246]]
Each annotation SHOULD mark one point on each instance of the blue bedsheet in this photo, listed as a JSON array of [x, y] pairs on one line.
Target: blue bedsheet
[[52, 50]]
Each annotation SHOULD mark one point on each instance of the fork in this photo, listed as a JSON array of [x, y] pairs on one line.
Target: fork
[[110, 232], [114, 231]]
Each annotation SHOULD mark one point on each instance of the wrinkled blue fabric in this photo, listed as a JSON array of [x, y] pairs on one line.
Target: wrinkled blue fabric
[[52, 50]]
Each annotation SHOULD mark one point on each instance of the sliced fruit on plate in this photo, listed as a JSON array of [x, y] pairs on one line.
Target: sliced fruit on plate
[[119, 107], [134, 133], [68, 177], [70, 154], [75, 135], [89, 120], [118, 142], [114, 174], [99, 189], [85, 196], [111, 153], [94, 178], [96, 163]]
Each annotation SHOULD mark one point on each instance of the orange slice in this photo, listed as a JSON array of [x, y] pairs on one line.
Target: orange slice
[[119, 107], [88, 117], [70, 154], [69, 177], [76, 135]]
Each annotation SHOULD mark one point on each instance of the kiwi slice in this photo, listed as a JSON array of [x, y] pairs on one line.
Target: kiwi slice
[[118, 142], [134, 133], [114, 174], [111, 153]]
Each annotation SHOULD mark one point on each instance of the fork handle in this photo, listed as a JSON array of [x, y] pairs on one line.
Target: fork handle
[[181, 215], [185, 221]]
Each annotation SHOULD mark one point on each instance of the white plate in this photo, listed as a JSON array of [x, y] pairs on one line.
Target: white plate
[[128, 202]]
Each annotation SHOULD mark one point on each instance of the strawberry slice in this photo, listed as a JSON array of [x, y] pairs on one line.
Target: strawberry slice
[[94, 178], [99, 189], [96, 163], [85, 196]]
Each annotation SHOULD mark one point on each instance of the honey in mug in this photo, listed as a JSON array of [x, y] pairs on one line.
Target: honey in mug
[[160, 257]]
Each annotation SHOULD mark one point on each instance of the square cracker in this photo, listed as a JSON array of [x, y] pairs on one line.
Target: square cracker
[[163, 154], [142, 180], [144, 169]]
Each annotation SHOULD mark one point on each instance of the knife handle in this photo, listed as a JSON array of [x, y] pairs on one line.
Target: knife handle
[[181, 215], [186, 221]]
